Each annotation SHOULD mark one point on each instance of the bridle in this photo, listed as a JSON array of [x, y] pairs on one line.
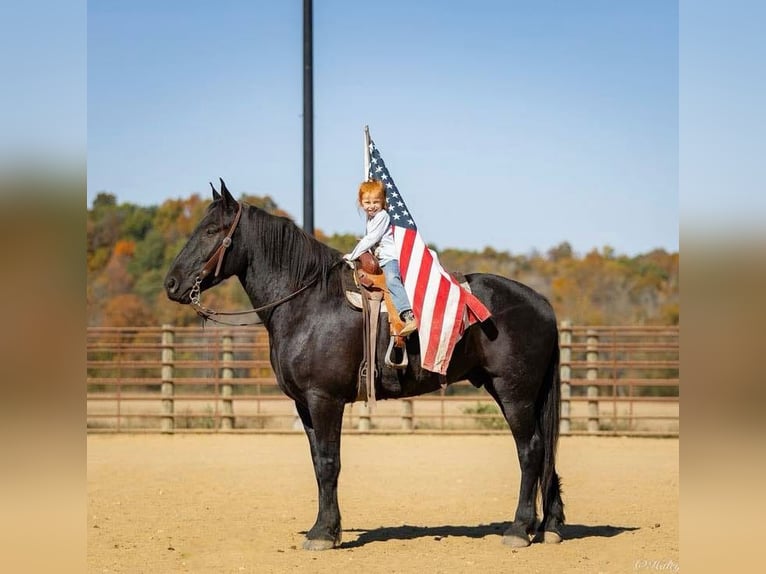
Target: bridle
[[216, 259], [214, 262]]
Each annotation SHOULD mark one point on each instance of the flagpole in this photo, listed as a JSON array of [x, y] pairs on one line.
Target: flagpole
[[366, 153], [364, 414]]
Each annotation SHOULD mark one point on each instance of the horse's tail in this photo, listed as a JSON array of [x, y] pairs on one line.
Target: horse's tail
[[549, 415]]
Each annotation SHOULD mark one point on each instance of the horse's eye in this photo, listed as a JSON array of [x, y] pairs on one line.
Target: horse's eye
[[212, 230]]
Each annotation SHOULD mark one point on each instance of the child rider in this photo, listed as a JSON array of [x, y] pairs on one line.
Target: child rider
[[380, 238]]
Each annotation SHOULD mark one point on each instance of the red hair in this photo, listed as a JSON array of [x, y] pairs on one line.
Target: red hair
[[375, 188]]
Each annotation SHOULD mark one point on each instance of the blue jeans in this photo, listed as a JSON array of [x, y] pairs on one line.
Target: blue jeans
[[395, 286]]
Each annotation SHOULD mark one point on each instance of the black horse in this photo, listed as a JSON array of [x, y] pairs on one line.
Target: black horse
[[315, 340]]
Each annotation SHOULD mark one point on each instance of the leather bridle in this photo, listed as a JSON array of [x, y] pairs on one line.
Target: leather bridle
[[217, 258]]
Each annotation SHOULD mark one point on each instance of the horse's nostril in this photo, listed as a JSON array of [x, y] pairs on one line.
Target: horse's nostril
[[171, 285]]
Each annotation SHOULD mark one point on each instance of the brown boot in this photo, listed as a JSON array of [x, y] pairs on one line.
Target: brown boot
[[410, 324]]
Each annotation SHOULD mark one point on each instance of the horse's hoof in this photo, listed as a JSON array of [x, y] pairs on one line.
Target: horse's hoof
[[515, 541], [318, 544], [550, 537]]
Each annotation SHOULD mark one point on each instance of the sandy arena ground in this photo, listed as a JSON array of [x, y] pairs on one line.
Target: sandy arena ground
[[410, 503]]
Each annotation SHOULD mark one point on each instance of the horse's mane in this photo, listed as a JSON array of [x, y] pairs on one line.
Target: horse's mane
[[289, 248]]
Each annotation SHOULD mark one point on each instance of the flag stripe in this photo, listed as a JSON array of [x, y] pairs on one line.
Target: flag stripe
[[430, 331], [442, 340], [442, 361], [476, 309], [434, 337], [410, 258], [450, 333], [452, 327], [405, 243], [420, 288]]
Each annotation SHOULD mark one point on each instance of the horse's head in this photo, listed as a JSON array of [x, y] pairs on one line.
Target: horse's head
[[201, 263]]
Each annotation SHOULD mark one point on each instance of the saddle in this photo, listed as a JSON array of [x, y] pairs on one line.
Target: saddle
[[365, 294], [369, 278]]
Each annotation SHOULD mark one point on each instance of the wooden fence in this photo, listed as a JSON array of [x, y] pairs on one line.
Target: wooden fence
[[614, 380]]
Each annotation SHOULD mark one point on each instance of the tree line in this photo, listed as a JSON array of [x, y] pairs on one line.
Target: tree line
[[130, 248]]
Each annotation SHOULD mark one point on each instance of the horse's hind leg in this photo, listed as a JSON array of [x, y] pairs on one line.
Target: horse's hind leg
[[322, 420], [530, 450]]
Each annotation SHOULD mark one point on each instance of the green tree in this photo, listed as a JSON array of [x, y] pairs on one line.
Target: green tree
[[149, 254]]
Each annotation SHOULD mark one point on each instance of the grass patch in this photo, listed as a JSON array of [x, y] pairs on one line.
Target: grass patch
[[486, 416]]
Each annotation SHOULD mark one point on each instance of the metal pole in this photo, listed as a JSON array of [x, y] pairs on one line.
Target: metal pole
[[365, 424], [366, 153], [308, 120]]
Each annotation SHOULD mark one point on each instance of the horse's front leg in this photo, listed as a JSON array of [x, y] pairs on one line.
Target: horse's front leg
[[322, 419]]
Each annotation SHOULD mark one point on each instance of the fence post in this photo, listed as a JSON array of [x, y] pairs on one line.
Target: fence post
[[227, 374], [565, 374], [167, 424], [407, 415], [364, 417], [591, 356]]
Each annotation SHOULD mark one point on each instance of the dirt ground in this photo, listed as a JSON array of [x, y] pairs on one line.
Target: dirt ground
[[410, 503]]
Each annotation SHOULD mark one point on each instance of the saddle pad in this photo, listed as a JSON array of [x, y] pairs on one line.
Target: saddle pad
[[355, 300]]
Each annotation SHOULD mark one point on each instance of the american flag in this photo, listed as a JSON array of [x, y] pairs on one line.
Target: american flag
[[443, 308]]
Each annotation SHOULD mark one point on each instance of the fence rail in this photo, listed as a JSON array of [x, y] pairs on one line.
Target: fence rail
[[617, 380]]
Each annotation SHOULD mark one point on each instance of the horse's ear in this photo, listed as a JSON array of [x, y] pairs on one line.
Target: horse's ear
[[216, 195], [228, 199]]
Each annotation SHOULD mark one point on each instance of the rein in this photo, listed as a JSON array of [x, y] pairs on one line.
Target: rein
[[210, 314], [215, 261]]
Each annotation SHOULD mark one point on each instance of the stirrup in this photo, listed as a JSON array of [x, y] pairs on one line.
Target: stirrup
[[390, 353]]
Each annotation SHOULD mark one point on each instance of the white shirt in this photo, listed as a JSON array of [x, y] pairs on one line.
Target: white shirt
[[380, 237]]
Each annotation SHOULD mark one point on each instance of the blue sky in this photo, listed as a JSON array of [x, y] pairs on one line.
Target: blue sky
[[515, 125]]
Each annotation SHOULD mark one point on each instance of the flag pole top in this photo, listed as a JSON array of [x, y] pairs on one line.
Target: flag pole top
[[366, 153]]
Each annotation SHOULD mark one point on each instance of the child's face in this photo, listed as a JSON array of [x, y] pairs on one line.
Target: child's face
[[372, 203]]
